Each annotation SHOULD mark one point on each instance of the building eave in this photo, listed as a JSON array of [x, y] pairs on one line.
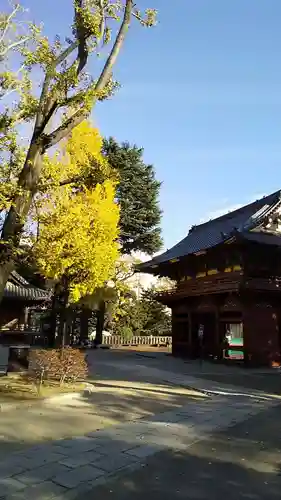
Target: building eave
[[17, 288], [215, 232]]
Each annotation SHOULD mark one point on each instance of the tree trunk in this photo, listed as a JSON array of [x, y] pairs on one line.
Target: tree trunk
[[54, 317], [66, 327], [5, 270], [84, 323], [18, 212], [70, 314], [100, 323], [63, 295], [64, 331], [52, 328], [59, 329]]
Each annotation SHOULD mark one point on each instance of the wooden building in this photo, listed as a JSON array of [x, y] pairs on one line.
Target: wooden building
[[228, 283], [20, 298]]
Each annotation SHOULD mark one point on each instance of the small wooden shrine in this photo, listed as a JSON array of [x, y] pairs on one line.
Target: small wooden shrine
[[20, 298], [228, 285]]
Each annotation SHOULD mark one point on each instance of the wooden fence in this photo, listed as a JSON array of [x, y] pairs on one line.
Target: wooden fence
[[152, 341], [35, 337]]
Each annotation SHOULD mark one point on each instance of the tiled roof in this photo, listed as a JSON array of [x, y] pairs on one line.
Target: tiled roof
[[266, 238], [16, 278], [18, 288], [213, 232]]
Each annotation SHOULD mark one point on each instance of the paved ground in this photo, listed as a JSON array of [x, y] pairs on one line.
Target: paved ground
[[165, 434], [68, 468], [118, 396], [254, 379], [240, 463]]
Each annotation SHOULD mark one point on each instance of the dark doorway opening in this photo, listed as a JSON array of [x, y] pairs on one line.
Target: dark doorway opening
[[207, 346]]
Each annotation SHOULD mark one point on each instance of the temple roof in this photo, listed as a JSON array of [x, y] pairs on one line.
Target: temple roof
[[216, 231], [17, 288]]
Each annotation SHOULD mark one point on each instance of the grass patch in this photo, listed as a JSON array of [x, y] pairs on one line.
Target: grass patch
[[19, 388]]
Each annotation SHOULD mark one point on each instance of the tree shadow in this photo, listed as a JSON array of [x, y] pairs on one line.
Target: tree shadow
[[36, 431], [114, 400], [182, 475], [242, 462], [249, 380], [74, 415]]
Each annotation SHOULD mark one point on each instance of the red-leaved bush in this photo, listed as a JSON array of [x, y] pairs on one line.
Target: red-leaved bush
[[63, 365], [73, 365]]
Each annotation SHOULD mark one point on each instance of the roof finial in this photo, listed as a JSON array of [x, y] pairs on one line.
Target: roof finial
[[192, 228]]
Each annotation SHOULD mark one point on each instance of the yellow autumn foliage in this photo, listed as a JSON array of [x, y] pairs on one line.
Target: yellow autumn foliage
[[79, 226], [78, 239], [80, 157]]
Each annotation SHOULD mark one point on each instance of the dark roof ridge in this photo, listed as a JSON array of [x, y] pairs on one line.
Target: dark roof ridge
[[216, 231], [233, 212], [18, 287], [17, 277]]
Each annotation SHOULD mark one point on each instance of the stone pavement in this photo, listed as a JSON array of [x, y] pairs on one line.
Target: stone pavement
[[201, 381], [68, 469], [266, 380], [240, 463]]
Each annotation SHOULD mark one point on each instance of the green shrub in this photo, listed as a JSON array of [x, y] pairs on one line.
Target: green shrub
[[127, 333]]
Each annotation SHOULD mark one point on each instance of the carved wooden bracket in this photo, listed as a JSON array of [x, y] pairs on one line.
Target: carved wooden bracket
[[231, 303], [205, 304]]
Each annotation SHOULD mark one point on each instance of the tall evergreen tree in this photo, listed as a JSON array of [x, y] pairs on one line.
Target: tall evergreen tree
[[138, 197]]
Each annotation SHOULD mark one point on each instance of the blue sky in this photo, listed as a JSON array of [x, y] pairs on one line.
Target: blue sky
[[201, 93]]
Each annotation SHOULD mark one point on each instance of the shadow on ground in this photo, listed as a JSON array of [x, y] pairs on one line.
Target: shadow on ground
[[109, 403], [125, 389], [240, 463], [265, 380]]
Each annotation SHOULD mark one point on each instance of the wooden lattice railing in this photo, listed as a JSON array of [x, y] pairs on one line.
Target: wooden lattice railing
[[209, 284]]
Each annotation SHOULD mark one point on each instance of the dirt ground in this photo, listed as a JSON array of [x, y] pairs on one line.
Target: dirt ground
[[143, 348], [19, 388]]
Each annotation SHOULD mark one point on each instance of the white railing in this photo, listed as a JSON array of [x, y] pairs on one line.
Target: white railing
[[143, 340]]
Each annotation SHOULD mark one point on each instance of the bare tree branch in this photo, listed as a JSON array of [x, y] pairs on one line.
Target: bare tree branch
[[107, 69], [80, 115], [62, 131], [5, 25], [14, 45], [73, 180], [102, 24], [64, 54], [8, 22], [81, 36]]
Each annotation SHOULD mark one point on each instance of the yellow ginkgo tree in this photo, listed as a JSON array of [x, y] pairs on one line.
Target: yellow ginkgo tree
[[54, 90], [79, 160], [76, 238]]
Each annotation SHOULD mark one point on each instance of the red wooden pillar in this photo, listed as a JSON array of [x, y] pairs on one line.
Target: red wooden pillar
[[217, 333], [260, 330], [174, 334], [190, 347]]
